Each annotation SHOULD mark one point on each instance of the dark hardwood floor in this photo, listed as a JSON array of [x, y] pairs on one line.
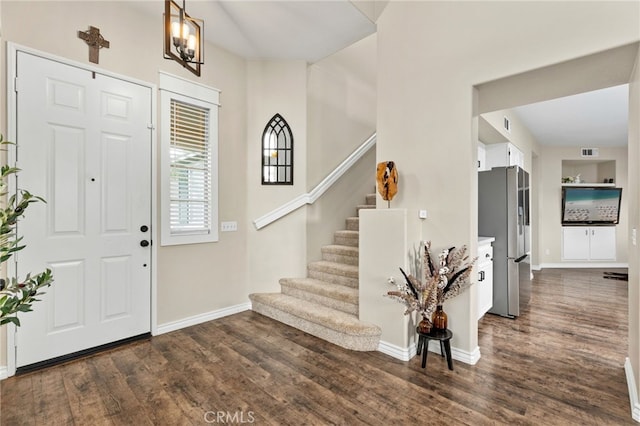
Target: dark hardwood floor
[[560, 363]]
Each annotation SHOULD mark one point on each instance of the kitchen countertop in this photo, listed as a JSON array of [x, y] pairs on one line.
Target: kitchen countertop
[[485, 240]]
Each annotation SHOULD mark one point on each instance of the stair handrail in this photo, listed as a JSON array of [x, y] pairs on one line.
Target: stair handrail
[[321, 188]]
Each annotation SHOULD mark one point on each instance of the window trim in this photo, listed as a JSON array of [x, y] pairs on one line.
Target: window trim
[[181, 90]]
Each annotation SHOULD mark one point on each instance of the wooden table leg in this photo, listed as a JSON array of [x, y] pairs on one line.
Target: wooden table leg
[[447, 347], [425, 351]]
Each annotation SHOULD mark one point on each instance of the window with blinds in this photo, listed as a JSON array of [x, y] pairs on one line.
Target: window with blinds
[[190, 169], [188, 162]]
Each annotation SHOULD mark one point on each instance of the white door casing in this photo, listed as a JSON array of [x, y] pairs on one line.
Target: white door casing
[[84, 143]]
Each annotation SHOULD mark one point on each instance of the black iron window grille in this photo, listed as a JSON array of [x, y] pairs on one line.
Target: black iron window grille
[[277, 153]]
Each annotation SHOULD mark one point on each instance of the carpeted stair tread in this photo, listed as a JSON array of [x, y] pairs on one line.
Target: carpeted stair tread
[[365, 206], [348, 233], [350, 271], [340, 254], [353, 223], [321, 315], [346, 238], [334, 291], [336, 273], [342, 250], [371, 199]]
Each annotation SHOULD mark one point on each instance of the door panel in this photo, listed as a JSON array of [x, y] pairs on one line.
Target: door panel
[[116, 287], [115, 178], [67, 308], [67, 198], [83, 144]]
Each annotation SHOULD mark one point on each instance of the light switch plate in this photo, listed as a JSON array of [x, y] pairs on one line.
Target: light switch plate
[[422, 214], [228, 226]]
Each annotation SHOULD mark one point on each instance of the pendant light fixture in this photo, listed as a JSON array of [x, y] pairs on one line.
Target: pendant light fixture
[[183, 37]]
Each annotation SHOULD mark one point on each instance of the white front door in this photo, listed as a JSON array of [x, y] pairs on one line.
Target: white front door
[[83, 144]]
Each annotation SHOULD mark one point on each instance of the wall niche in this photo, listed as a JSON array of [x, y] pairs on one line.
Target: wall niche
[[588, 171]]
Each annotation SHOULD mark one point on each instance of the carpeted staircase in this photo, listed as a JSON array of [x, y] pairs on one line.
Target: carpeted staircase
[[325, 304]]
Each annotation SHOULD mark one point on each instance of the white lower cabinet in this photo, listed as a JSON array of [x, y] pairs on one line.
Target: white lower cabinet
[[485, 279], [589, 243]]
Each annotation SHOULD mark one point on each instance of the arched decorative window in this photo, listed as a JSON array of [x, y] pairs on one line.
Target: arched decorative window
[[277, 153]]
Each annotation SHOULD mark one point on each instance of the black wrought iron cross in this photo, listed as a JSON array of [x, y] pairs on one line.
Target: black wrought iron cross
[[95, 41]]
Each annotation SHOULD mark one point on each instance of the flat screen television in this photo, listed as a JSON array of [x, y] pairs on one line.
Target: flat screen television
[[590, 205]]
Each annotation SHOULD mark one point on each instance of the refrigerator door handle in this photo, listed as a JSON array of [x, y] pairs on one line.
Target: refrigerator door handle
[[521, 258]]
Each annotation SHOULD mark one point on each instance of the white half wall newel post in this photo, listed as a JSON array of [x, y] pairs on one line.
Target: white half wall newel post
[[385, 237]]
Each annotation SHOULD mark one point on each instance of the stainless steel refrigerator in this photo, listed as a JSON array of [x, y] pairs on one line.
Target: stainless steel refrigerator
[[503, 213]]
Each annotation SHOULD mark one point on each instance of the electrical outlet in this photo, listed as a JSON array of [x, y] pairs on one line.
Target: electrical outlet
[[228, 226]]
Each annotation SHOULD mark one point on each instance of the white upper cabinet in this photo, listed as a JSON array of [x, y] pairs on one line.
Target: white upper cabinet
[[482, 157], [503, 155]]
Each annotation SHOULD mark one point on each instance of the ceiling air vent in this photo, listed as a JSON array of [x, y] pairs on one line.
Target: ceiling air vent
[[507, 124], [589, 152]]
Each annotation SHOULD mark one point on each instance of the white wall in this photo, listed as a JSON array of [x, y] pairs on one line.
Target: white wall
[[430, 56], [342, 114], [196, 279], [634, 223], [278, 250], [551, 200]]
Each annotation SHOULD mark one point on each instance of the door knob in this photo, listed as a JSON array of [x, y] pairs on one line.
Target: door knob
[[144, 228], [144, 243]]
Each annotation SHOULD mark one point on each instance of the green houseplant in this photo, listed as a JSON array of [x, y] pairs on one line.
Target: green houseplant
[[16, 295]]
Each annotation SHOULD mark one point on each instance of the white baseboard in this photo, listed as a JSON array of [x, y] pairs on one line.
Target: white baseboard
[[199, 319], [470, 358], [584, 265], [397, 352], [633, 393], [536, 267], [4, 372], [405, 354]]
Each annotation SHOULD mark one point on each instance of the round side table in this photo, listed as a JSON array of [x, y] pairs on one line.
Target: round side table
[[444, 336]]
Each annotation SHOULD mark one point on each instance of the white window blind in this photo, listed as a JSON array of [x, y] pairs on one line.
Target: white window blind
[[188, 162], [190, 169]]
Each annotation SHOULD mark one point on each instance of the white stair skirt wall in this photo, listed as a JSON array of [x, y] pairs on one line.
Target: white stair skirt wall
[[384, 239]]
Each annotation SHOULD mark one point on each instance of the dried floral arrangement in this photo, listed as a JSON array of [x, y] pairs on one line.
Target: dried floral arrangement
[[440, 281]]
